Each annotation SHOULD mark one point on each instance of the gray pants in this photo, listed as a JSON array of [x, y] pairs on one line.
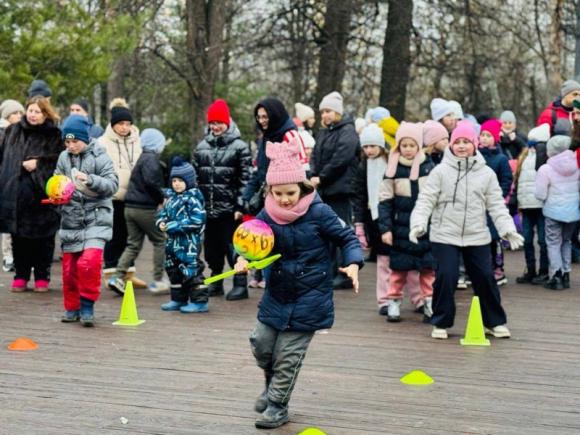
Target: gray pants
[[559, 243], [280, 355], [141, 223]]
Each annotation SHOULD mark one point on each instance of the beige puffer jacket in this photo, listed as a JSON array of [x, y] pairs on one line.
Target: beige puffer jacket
[[124, 152], [456, 199]]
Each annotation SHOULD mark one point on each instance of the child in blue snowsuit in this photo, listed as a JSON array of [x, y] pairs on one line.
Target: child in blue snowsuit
[[183, 219]]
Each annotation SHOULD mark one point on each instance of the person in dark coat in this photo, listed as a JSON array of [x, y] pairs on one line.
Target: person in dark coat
[[275, 125], [334, 163], [488, 146], [512, 142], [28, 156], [298, 297], [223, 162], [143, 200], [407, 170]]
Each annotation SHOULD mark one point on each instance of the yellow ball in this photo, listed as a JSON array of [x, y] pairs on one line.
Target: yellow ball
[[254, 239]]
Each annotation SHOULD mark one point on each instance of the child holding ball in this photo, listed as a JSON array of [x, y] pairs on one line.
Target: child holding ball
[[298, 296]]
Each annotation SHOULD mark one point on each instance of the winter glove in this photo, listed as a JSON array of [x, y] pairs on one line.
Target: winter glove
[[515, 240], [415, 233], [359, 230]]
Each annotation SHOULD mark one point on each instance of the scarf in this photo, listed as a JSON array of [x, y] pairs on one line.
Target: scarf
[[283, 216], [376, 169], [394, 159]]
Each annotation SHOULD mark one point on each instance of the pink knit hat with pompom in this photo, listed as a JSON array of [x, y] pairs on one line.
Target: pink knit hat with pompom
[[285, 166], [465, 130], [433, 132]]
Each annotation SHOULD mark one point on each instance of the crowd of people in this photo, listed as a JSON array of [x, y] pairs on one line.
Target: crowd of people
[[433, 203]]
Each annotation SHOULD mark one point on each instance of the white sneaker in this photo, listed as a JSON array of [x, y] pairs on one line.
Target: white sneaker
[[159, 287], [439, 333], [8, 264], [461, 283], [499, 331], [394, 311]]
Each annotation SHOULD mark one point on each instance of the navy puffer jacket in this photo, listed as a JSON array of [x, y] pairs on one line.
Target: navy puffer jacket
[[497, 161], [298, 294]]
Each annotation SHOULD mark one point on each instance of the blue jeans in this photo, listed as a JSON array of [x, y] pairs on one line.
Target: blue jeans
[[533, 217]]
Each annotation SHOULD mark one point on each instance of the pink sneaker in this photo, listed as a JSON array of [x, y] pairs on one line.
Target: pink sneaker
[[40, 286], [253, 283], [19, 285], [262, 284]]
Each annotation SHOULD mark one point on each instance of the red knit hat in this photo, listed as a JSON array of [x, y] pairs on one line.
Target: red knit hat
[[285, 166], [493, 127], [219, 111]]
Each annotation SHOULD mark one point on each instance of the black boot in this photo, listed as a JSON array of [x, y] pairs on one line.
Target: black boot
[[555, 283], [527, 277], [262, 400], [216, 288], [566, 280], [240, 289], [274, 416], [541, 278]]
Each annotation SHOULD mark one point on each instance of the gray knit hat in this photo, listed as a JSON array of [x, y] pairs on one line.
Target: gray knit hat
[[507, 116], [569, 86], [8, 107], [558, 144], [332, 101]]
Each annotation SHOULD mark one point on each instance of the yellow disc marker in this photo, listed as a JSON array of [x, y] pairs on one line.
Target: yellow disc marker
[[312, 431], [417, 377]]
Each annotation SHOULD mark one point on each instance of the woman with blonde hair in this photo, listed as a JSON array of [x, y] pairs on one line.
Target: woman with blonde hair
[[28, 155]]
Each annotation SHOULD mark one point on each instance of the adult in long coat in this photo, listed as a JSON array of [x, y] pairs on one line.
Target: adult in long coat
[[28, 155]]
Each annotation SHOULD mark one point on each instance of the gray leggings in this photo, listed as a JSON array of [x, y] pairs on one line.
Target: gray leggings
[[559, 243], [280, 355]]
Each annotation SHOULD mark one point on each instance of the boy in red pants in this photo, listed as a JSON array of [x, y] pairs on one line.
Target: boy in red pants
[[86, 221]]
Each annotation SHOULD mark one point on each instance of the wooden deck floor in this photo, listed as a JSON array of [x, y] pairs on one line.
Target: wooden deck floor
[[194, 374]]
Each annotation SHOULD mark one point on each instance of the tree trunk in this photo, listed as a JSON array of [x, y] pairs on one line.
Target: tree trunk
[[334, 39], [396, 57], [556, 45], [205, 21]]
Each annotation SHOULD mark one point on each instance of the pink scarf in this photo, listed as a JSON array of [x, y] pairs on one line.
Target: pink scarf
[[283, 216]]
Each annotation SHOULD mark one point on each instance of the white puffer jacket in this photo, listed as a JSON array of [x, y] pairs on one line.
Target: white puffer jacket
[[124, 151], [456, 196], [527, 183]]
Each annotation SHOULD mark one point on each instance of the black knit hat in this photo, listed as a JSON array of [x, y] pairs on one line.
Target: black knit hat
[[182, 169], [83, 102], [119, 114]]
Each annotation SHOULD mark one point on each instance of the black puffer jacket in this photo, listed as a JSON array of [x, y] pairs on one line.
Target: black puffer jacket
[[145, 186], [223, 166], [21, 212], [398, 197], [335, 158]]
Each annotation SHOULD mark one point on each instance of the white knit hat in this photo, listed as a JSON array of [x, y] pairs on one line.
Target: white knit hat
[[457, 109], [372, 134], [541, 133], [440, 108], [332, 101], [304, 112]]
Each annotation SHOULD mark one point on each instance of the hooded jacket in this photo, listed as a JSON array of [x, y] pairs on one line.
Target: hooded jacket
[[124, 151], [21, 211], [298, 295], [223, 166], [558, 186], [87, 220], [456, 196], [335, 158], [552, 113], [280, 129], [146, 183]]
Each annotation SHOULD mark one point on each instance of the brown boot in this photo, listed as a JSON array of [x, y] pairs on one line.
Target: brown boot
[[137, 282]]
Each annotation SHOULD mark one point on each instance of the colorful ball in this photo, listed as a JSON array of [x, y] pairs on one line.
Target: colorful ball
[[254, 239], [59, 188]]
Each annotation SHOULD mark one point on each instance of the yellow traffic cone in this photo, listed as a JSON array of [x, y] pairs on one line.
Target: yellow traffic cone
[[474, 332], [128, 315]]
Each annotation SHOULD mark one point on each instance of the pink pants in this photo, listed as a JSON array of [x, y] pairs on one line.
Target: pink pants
[[383, 276], [81, 276], [399, 279]]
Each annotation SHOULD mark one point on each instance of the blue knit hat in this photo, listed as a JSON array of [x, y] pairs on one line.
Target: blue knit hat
[[182, 169], [39, 87], [76, 127], [152, 140]]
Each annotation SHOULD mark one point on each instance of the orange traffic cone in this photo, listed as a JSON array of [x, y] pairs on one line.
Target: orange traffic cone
[[23, 344]]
